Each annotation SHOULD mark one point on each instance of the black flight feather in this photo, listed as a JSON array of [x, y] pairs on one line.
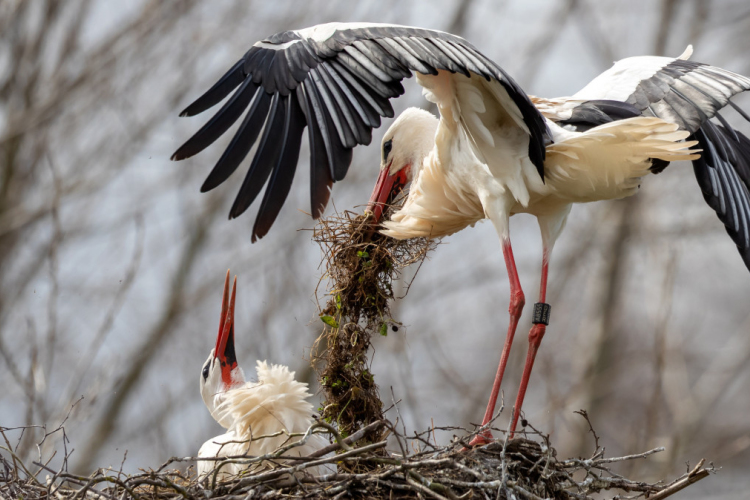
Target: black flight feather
[[361, 132], [333, 110], [219, 123], [724, 183], [284, 169], [316, 110], [381, 104], [339, 156], [218, 90], [320, 172], [242, 141], [264, 159]]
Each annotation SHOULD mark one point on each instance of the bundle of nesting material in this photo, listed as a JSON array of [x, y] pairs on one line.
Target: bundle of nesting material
[[361, 265]]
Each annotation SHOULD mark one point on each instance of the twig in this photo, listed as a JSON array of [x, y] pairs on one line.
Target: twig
[[693, 476]]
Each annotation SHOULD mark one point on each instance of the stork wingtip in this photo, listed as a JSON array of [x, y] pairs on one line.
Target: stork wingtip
[[180, 154], [188, 112], [206, 187]]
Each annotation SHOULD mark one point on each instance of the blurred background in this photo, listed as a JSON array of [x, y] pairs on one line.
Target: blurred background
[[112, 262]]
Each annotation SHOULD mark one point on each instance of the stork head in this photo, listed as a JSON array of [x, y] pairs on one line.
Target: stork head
[[220, 372], [406, 143]]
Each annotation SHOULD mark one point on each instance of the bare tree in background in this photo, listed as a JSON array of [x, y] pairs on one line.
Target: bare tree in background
[[111, 262], [75, 115]]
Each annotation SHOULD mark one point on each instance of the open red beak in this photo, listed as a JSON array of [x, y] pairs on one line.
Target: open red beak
[[386, 189], [224, 350]]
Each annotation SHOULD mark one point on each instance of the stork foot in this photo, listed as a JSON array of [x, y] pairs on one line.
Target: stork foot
[[482, 439]]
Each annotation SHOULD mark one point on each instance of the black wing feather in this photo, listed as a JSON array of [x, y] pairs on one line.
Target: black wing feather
[[381, 104], [687, 93], [418, 54], [376, 53], [219, 123], [259, 65], [315, 107], [321, 179], [218, 91], [283, 79], [723, 174], [242, 141], [370, 53], [333, 111], [461, 62], [283, 172], [361, 132], [339, 155], [360, 98], [264, 159], [384, 89]]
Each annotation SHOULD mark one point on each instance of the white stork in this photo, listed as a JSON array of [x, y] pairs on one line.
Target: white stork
[[275, 405], [491, 154]]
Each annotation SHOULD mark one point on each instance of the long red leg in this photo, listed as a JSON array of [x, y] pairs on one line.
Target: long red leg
[[517, 302], [535, 339]]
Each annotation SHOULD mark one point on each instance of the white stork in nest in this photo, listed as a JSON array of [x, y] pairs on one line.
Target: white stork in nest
[[493, 152], [259, 415]]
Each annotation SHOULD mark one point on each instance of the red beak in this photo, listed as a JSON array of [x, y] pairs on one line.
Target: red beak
[[224, 350], [386, 189]]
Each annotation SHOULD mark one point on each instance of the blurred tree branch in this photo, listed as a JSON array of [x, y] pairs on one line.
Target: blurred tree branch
[[197, 231]]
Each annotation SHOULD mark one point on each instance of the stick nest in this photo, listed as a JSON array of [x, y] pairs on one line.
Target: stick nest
[[361, 266], [521, 468]]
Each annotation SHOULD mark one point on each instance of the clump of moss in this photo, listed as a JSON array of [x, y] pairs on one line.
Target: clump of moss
[[361, 265]]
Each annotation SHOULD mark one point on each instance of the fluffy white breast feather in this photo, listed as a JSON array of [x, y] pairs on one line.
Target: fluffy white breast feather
[[275, 403], [437, 203]]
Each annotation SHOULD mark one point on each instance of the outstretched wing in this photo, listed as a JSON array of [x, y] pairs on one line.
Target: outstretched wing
[[723, 173], [686, 93], [337, 80]]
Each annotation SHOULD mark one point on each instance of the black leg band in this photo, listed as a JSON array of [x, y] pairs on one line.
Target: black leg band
[[541, 313]]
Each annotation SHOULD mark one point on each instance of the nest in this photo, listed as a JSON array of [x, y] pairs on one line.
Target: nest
[[522, 468], [361, 265]]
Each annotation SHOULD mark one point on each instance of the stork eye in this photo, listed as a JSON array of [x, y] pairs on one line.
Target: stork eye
[[205, 370], [387, 145]]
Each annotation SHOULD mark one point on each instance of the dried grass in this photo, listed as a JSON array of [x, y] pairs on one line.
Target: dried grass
[[361, 266]]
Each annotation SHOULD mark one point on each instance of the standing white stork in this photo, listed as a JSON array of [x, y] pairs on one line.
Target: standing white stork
[[491, 154], [276, 405]]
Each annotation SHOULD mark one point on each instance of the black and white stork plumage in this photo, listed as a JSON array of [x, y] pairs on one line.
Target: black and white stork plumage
[[687, 93], [492, 153]]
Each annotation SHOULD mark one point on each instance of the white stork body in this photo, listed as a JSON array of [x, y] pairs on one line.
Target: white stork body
[[492, 153], [259, 416], [454, 188], [275, 406]]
